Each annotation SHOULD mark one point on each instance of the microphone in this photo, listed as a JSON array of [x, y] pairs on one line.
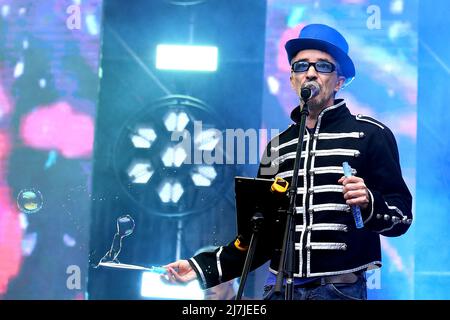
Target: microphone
[[309, 90]]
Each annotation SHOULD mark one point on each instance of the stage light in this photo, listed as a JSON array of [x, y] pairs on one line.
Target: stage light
[[296, 16], [143, 138], [163, 157], [185, 2], [153, 287], [140, 171], [170, 192], [273, 84], [396, 6], [399, 29], [204, 176], [186, 57], [174, 157], [5, 10], [176, 121], [92, 24]]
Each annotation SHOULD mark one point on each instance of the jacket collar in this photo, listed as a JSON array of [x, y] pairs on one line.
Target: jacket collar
[[338, 109]]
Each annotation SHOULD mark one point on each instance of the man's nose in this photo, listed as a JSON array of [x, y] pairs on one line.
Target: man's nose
[[311, 73]]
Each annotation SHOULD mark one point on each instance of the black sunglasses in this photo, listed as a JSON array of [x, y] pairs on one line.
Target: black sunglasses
[[320, 66]]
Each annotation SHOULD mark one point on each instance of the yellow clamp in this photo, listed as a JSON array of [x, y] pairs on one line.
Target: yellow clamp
[[239, 245], [279, 185]]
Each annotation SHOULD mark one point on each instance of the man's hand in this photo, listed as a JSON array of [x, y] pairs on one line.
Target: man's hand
[[355, 191], [179, 272]]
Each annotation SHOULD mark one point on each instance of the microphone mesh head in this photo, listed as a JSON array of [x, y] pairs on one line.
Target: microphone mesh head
[[309, 90], [305, 93]]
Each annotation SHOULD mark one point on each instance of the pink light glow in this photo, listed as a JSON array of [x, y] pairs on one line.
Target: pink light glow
[[407, 125], [355, 106], [288, 34], [10, 240], [394, 256], [59, 127], [10, 231], [5, 105]]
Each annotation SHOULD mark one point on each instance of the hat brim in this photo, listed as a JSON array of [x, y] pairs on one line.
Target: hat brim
[[347, 67]]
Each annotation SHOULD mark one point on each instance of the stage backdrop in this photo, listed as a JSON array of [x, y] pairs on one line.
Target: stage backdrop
[[49, 56], [51, 105]]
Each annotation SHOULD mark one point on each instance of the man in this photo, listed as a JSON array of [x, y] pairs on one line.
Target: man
[[331, 254]]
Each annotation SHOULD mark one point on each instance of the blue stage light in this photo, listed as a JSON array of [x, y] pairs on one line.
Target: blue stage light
[[153, 287], [186, 57]]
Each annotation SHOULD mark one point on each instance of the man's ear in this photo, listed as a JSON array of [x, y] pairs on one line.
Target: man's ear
[[291, 80], [339, 83]]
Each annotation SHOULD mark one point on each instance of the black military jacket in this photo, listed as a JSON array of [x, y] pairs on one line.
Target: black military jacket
[[326, 239]]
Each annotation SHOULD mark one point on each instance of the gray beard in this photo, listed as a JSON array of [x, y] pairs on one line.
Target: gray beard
[[317, 105]]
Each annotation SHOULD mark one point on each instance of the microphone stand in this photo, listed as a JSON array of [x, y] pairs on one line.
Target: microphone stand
[[286, 265], [257, 222]]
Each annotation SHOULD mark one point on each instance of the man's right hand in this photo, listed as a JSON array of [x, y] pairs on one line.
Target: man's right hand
[[180, 272]]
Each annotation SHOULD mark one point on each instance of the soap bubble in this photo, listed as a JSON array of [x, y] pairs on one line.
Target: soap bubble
[[29, 201], [125, 225]]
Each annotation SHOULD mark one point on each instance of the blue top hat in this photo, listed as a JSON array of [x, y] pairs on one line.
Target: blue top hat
[[324, 38]]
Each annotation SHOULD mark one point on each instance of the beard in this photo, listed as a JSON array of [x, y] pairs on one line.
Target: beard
[[320, 101]]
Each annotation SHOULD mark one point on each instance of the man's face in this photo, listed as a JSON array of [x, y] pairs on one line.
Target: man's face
[[329, 83]]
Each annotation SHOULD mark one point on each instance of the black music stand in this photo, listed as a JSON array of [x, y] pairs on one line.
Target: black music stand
[[256, 207]]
